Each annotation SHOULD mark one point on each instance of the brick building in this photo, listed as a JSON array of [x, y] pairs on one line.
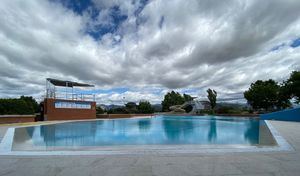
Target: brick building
[[67, 100]]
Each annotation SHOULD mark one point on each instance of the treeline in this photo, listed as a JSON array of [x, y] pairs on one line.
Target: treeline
[[22, 105], [262, 96], [271, 96], [144, 107]]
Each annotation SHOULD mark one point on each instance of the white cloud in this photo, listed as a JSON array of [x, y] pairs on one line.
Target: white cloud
[[200, 44]]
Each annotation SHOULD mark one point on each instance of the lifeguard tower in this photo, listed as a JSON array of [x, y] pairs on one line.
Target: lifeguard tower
[[68, 100]]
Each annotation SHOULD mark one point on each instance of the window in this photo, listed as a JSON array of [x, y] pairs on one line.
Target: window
[[73, 105]]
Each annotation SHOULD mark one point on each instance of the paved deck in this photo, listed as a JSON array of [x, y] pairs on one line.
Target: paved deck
[[261, 164]]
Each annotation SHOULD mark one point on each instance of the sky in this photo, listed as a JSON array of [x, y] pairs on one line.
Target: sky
[[136, 50]]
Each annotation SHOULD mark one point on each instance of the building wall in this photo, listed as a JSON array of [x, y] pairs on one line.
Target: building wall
[[53, 113], [116, 116], [16, 118]]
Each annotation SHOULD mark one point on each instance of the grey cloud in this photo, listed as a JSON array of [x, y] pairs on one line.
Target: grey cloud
[[248, 31], [201, 44]]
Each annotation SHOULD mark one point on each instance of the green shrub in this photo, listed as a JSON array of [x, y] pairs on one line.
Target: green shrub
[[99, 110], [145, 107], [15, 106], [172, 98], [121, 110], [31, 102], [229, 110], [188, 108], [206, 111], [131, 107]]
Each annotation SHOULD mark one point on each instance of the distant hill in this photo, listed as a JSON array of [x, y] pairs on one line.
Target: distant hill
[[108, 107], [233, 105], [157, 107]]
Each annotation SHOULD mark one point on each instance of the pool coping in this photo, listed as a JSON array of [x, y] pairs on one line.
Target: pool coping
[[282, 145]]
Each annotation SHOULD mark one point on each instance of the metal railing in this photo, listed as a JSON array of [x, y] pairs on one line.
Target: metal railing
[[71, 96]]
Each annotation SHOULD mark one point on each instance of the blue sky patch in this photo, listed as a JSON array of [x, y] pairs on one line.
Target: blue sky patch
[[119, 90], [161, 22], [96, 31], [77, 6], [117, 18], [295, 43], [275, 48], [142, 5], [139, 19]]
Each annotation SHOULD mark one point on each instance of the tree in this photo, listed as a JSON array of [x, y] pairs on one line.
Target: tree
[[266, 95], [284, 97], [31, 102], [145, 107], [15, 106], [99, 110], [212, 97], [293, 85], [171, 98], [187, 97], [118, 110], [131, 107]]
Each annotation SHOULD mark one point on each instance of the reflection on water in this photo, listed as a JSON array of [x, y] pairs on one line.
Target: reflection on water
[[158, 130], [252, 130], [177, 129], [212, 134], [144, 125]]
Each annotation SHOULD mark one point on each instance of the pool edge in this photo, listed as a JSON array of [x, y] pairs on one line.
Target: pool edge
[[282, 145], [7, 141]]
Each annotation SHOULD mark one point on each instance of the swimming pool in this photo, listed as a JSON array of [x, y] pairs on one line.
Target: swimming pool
[[158, 130]]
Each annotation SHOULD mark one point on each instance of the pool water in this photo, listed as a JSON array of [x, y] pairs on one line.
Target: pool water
[[158, 130]]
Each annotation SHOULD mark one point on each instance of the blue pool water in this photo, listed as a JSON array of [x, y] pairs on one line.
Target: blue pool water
[[144, 131]]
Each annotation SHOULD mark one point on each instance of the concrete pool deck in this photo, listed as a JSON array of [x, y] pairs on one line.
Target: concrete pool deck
[[247, 163]]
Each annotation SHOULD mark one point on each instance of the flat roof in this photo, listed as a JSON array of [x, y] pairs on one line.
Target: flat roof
[[63, 83]]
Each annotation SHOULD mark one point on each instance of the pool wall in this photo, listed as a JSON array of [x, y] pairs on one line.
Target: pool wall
[[285, 115], [118, 116], [6, 148]]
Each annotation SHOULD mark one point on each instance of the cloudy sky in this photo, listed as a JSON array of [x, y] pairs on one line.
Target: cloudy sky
[[140, 49]]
